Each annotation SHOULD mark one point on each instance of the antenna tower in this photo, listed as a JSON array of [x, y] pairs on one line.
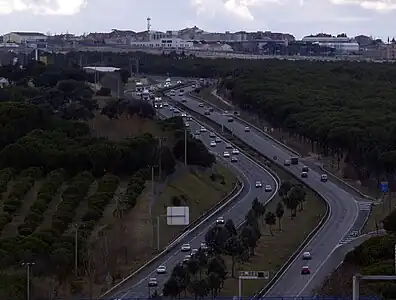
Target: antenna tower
[[148, 24]]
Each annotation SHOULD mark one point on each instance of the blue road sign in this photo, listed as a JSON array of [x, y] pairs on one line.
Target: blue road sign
[[384, 186]]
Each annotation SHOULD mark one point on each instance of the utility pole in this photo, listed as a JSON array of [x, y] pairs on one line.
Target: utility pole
[[160, 139], [185, 147], [76, 227], [28, 265]]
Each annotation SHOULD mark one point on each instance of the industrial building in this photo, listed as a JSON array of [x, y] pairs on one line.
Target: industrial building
[[24, 37]]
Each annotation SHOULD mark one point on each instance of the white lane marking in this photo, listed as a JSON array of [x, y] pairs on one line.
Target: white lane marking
[[238, 203]]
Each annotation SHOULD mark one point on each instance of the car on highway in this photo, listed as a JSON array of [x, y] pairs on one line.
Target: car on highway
[[165, 104], [172, 93], [305, 270], [230, 119], [153, 282], [189, 118], [306, 255], [259, 184], [247, 129], [323, 177], [212, 134], [304, 175], [213, 144], [176, 111], [287, 163], [268, 188], [161, 270], [184, 115], [194, 252], [179, 82], [194, 86], [294, 160], [218, 140], [187, 258], [207, 113], [235, 151], [200, 105], [220, 221], [211, 109], [234, 159], [186, 248], [228, 146], [305, 169], [197, 133], [202, 129], [226, 154], [187, 124], [204, 246], [183, 100], [171, 108]]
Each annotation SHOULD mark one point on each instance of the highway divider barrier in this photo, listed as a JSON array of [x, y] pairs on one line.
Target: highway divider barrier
[[286, 147], [228, 199]]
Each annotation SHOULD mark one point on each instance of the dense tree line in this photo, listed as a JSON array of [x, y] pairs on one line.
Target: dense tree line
[[205, 273], [343, 109]]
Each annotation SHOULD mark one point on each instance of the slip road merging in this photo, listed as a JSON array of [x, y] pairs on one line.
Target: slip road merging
[[250, 172], [345, 214]]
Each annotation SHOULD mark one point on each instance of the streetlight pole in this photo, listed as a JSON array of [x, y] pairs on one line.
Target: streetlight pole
[[76, 227], [28, 265], [185, 147]]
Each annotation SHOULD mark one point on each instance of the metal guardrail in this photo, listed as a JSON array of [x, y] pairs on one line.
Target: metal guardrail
[[311, 235], [286, 147]]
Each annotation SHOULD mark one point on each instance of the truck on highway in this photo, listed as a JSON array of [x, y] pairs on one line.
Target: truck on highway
[[139, 88]]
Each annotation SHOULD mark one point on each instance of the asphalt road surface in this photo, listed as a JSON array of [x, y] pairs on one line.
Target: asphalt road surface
[[347, 213], [250, 173]]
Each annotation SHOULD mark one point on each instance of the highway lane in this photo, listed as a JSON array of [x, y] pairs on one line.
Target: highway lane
[[248, 170], [345, 214]]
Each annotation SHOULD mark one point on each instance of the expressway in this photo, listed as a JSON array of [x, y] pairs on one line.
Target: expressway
[[347, 215], [249, 171]]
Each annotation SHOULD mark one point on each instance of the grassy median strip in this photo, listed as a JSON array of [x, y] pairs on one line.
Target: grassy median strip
[[273, 250]]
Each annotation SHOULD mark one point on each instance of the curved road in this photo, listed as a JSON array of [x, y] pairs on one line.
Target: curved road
[[347, 214], [250, 172]]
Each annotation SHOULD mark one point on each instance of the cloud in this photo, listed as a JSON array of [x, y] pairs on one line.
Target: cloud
[[42, 7], [377, 5]]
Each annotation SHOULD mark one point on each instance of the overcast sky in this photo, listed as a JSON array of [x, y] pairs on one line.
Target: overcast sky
[[299, 17]]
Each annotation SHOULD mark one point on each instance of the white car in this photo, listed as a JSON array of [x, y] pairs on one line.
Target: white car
[[165, 104], [194, 252], [203, 129], [184, 115], [235, 151], [189, 118], [153, 282], [247, 129], [259, 184], [200, 105], [194, 86], [187, 124], [234, 159], [307, 255], [204, 246], [220, 221], [323, 177], [161, 270], [226, 154], [218, 140], [228, 146], [181, 94], [268, 188], [287, 163], [179, 82], [187, 258], [186, 248], [213, 144], [212, 135], [171, 108], [176, 111]]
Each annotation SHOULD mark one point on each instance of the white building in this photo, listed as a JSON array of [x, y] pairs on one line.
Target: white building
[[24, 37], [341, 44], [165, 43]]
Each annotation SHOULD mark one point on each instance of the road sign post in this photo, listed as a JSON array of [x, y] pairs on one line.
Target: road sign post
[[250, 275]]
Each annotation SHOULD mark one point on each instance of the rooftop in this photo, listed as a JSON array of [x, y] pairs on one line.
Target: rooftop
[[102, 69], [28, 33]]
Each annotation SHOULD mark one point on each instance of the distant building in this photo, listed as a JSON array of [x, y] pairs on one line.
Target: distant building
[[341, 43], [164, 43], [24, 37]]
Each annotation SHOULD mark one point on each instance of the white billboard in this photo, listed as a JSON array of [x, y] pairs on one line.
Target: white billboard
[[178, 215]]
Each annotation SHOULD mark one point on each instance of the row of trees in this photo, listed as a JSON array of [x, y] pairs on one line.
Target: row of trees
[[205, 273]]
